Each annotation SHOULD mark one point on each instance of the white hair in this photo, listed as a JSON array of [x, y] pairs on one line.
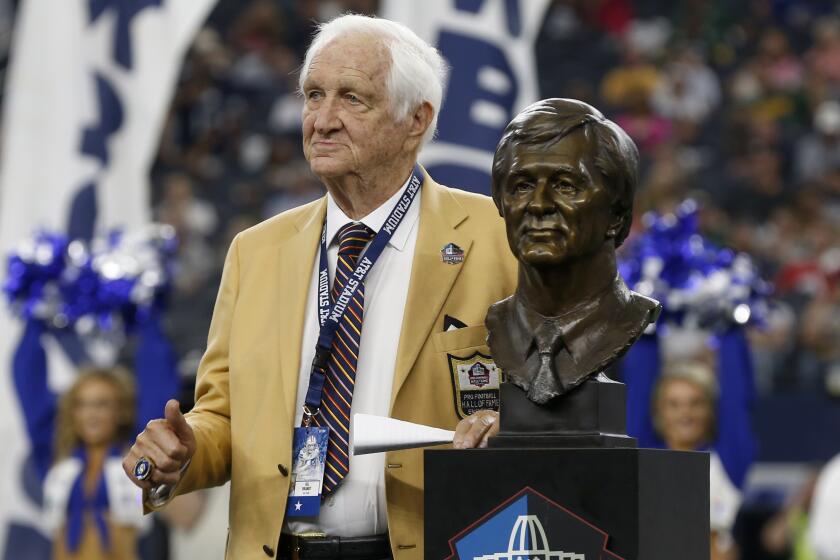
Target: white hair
[[417, 71]]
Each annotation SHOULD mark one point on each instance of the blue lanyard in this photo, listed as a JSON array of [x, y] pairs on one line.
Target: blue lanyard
[[329, 315]]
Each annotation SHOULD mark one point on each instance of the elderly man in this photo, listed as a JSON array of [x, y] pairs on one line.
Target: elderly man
[[413, 268]]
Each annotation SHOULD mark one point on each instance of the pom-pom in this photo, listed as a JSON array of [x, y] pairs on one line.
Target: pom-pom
[[107, 285], [698, 283]]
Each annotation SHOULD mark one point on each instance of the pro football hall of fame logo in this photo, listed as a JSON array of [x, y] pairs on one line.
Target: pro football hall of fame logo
[[529, 526], [475, 381]]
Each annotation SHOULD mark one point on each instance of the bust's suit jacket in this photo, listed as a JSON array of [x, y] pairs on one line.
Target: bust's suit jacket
[[247, 381]]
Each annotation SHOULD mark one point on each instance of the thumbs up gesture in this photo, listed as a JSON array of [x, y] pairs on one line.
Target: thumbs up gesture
[[161, 450]]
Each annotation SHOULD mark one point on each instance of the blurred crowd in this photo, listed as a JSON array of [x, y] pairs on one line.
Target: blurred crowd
[[736, 104]]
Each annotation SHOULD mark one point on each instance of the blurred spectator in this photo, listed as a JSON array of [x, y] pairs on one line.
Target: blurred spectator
[[292, 185], [684, 404], [196, 266], [632, 82], [758, 180], [258, 27], [786, 533], [648, 129], [182, 210], [768, 84], [771, 346], [78, 440], [825, 511], [823, 58], [629, 87], [611, 16], [194, 221], [819, 152], [664, 187], [821, 335], [780, 68], [689, 91]]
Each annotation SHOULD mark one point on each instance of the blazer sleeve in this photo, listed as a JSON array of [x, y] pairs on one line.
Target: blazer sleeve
[[210, 417]]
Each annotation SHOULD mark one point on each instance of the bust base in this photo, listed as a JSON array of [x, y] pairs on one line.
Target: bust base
[[560, 441], [590, 415]]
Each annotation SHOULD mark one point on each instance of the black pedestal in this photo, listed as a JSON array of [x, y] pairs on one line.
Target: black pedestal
[[590, 415], [589, 504]]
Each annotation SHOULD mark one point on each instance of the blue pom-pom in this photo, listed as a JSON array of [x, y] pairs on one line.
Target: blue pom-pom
[[698, 283], [109, 284]]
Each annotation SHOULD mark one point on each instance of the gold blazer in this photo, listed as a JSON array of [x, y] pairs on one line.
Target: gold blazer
[[247, 380]]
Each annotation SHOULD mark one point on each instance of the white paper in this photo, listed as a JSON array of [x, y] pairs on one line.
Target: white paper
[[376, 434]]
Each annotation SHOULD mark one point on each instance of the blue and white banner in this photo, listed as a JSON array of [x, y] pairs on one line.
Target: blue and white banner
[[489, 45], [88, 90]]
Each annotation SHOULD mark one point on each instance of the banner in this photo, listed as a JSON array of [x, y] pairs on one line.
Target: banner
[[88, 89], [489, 45]]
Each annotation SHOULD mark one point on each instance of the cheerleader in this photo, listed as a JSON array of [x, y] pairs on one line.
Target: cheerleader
[[92, 509], [689, 405]]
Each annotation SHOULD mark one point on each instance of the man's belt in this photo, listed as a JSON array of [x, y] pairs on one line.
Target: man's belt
[[304, 547]]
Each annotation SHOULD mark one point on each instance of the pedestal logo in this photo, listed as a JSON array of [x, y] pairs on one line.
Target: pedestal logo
[[528, 540], [530, 526]]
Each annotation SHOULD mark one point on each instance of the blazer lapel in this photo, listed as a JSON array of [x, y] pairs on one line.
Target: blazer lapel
[[431, 278], [297, 257]]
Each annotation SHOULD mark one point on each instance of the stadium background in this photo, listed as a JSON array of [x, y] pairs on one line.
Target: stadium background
[[734, 104]]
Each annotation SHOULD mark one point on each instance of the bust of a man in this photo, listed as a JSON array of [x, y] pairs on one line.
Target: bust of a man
[[563, 180]]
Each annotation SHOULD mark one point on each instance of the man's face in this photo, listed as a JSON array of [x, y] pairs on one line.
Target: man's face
[[347, 126], [555, 205]]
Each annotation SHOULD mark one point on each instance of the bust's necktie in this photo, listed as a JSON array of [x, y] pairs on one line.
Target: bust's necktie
[[546, 384], [341, 368]]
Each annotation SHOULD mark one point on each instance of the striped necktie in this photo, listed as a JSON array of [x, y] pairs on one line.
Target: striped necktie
[[341, 368]]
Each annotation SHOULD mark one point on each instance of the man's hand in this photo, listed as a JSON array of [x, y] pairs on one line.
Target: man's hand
[[168, 443], [474, 430]]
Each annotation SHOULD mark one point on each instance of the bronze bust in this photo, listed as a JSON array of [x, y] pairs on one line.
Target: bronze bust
[[563, 180]]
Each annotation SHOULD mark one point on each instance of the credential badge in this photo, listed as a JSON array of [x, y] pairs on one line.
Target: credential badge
[[475, 383]]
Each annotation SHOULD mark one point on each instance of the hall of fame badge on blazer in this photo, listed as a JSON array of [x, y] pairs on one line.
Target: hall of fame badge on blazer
[[475, 383]]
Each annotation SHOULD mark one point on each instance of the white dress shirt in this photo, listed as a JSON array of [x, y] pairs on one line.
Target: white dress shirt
[[358, 507], [724, 497], [824, 528]]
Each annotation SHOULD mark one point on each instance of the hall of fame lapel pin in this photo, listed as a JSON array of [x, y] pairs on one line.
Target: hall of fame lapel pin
[[452, 254]]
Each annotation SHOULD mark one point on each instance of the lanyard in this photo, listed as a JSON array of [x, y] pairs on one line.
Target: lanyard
[[329, 314]]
